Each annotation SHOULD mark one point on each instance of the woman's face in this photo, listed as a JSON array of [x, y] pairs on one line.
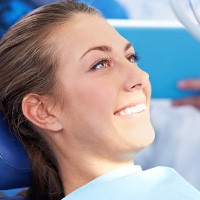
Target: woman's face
[[104, 103]]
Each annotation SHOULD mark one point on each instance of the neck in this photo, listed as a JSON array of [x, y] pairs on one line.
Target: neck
[[78, 172]]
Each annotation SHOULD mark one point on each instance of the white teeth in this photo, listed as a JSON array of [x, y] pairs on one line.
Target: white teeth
[[122, 113], [128, 111], [135, 109]]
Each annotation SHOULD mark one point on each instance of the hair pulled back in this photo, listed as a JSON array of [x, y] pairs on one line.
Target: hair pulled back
[[28, 65]]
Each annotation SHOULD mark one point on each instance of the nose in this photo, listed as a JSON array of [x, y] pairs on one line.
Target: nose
[[136, 78]]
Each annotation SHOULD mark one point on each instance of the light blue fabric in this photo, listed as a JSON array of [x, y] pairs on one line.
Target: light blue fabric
[[160, 183]]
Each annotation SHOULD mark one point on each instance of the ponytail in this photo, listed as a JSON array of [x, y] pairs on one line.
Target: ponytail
[[46, 182]]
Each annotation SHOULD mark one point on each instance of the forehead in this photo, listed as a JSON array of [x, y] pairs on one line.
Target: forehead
[[84, 31]]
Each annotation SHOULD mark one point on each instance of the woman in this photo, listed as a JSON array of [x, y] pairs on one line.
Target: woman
[[73, 93]]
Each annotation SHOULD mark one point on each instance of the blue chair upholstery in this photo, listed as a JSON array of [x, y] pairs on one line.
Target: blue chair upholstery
[[13, 198], [15, 170]]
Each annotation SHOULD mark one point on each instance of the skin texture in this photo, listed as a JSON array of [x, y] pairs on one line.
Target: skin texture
[[82, 125], [189, 84]]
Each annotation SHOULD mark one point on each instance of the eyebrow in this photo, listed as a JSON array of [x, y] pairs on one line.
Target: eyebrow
[[105, 48]]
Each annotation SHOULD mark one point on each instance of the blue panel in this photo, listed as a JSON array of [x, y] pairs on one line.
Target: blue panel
[[168, 55]]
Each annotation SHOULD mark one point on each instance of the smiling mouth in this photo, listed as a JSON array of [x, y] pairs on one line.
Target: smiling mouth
[[132, 110]]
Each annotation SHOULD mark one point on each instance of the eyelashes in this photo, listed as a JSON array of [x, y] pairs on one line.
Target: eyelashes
[[105, 62], [134, 57]]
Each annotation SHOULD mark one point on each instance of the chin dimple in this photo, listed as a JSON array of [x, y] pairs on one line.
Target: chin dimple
[[132, 110]]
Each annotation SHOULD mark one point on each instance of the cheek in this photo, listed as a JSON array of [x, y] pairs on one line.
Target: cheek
[[96, 98], [91, 111], [94, 105]]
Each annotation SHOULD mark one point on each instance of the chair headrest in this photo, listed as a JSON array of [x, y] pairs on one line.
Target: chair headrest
[[15, 168]]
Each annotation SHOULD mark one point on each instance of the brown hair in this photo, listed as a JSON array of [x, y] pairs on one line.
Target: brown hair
[[27, 65]]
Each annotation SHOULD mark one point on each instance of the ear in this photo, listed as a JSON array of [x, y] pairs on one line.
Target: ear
[[38, 110]]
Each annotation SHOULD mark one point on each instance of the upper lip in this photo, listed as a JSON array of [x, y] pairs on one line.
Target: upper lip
[[130, 105]]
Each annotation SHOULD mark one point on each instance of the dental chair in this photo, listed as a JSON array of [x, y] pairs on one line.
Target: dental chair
[[15, 169]]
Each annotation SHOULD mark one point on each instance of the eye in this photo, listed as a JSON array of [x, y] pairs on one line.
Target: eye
[[133, 58], [104, 63]]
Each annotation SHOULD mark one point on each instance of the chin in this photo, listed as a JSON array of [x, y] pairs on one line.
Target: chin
[[141, 138], [146, 139]]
